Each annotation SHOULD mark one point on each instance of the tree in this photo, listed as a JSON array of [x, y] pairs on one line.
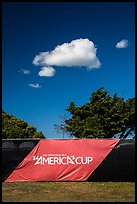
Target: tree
[[13, 127], [61, 128], [103, 117]]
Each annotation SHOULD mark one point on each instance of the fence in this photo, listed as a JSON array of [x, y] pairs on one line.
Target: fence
[[119, 165]]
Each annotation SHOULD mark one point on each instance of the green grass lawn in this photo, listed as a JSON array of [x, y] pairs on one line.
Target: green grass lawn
[[68, 192]]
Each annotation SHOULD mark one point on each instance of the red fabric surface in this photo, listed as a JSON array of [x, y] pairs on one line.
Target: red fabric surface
[[63, 160]]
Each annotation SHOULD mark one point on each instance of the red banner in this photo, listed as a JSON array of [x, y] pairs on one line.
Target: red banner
[[62, 160]]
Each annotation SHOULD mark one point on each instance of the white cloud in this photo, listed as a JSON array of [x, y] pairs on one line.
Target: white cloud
[[80, 52], [47, 71], [122, 44], [35, 85], [24, 71]]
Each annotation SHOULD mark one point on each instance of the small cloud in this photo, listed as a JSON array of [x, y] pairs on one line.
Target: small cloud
[[78, 53], [47, 71], [35, 85], [24, 71], [122, 44]]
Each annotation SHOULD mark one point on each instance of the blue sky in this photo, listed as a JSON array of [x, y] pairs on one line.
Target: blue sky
[[55, 53]]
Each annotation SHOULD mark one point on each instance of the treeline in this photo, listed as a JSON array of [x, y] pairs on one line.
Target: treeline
[[104, 116], [12, 127]]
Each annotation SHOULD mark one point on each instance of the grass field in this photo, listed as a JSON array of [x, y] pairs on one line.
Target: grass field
[[68, 192]]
